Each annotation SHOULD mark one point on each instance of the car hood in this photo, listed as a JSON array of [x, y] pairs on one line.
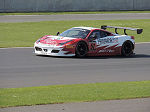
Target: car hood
[[54, 40]]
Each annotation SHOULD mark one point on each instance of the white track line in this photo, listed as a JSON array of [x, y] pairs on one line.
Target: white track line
[[16, 48], [32, 47], [143, 43]]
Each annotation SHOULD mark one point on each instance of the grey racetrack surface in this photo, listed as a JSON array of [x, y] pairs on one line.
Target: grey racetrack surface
[[35, 18], [19, 67], [132, 105]]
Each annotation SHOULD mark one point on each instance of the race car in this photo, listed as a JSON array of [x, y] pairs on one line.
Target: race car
[[87, 41]]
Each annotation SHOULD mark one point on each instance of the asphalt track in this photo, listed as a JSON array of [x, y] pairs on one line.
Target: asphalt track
[[36, 18], [132, 105], [19, 67]]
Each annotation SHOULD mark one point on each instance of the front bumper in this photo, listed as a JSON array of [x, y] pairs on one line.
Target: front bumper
[[51, 50]]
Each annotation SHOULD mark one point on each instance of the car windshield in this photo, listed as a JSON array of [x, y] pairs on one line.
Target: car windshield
[[75, 33]]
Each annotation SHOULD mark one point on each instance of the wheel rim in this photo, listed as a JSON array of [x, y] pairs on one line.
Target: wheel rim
[[127, 48], [82, 49]]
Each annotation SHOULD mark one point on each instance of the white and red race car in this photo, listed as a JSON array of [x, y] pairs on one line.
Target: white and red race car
[[87, 41]]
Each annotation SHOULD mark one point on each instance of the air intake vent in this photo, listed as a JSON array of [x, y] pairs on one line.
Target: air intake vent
[[54, 51]]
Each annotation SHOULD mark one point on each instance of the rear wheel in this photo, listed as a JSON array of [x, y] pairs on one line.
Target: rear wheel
[[81, 49], [127, 49]]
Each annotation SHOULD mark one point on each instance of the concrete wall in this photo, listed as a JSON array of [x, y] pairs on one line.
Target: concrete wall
[[72, 5]]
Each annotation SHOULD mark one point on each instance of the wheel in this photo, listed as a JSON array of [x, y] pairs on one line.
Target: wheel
[[81, 49], [127, 49]]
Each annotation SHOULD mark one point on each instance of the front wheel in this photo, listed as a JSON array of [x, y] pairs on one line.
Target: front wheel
[[127, 49], [81, 49]]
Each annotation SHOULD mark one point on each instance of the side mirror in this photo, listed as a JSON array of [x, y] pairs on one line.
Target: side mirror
[[58, 33]]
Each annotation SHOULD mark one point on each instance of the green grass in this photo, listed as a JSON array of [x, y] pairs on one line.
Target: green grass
[[90, 12], [73, 93], [25, 34]]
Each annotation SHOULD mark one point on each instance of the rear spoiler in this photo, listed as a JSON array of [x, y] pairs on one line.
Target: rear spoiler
[[139, 31]]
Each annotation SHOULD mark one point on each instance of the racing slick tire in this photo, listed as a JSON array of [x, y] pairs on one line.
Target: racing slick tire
[[127, 49], [81, 49]]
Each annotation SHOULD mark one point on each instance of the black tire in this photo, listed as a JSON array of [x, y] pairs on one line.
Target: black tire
[[127, 49], [81, 49]]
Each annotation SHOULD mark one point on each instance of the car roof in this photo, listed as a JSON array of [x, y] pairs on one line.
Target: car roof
[[87, 28]]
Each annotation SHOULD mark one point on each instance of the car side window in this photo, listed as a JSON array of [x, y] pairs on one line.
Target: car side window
[[103, 34], [96, 33], [99, 34]]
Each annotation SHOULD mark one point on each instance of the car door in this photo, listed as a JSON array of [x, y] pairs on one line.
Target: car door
[[106, 44], [93, 41]]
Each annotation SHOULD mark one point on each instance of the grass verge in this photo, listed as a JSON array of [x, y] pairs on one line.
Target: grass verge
[[90, 12], [73, 93], [25, 34]]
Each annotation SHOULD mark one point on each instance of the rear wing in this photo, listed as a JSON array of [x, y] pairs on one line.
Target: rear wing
[[139, 31]]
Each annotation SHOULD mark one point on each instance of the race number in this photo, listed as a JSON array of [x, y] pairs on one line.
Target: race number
[[93, 46]]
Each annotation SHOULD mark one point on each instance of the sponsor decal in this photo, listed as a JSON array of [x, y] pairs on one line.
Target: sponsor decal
[[69, 46], [55, 37], [50, 42], [106, 50], [59, 38], [107, 40]]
